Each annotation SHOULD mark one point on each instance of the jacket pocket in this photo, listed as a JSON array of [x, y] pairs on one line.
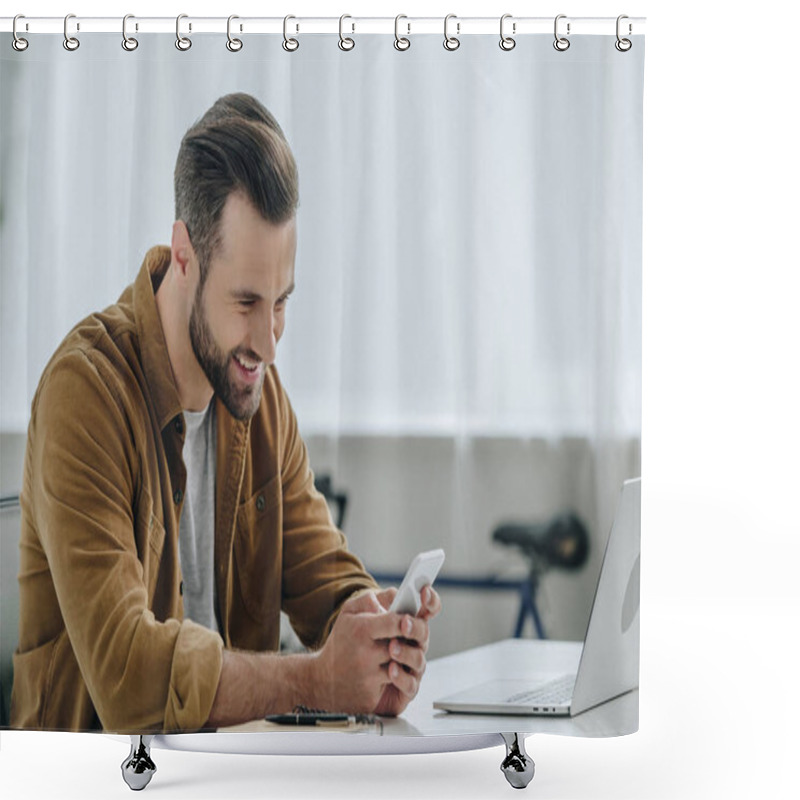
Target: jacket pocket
[[258, 552], [33, 678]]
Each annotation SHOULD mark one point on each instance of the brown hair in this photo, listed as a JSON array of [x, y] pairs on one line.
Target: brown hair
[[237, 145]]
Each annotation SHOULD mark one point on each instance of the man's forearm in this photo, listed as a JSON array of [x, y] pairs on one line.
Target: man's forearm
[[253, 685]]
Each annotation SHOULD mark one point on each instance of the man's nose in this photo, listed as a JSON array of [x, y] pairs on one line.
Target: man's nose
[[267, 340]]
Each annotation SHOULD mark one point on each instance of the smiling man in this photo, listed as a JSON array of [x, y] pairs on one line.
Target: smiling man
[[168, 506]]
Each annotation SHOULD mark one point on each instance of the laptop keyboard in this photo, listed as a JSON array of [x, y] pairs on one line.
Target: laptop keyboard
[[554, 692]]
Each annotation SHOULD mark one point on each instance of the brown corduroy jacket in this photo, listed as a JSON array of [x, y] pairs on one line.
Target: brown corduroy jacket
[[103, 642]]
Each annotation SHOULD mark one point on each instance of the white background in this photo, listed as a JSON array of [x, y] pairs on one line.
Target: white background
[[720, 603]]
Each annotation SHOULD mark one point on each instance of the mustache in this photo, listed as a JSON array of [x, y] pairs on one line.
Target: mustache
[[248, 354]]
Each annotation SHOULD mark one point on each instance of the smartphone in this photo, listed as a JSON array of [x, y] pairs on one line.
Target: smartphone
[[422, 572]]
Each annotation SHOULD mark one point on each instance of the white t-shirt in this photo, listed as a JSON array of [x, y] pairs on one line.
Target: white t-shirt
[[196, 531]]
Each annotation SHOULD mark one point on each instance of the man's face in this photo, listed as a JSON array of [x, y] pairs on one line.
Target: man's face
[[238, 314]]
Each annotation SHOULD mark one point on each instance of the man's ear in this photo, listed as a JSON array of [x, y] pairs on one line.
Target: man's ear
[[183, 255]]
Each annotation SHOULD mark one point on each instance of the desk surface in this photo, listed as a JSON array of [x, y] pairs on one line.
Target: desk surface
[[422, 728], [694, 742]]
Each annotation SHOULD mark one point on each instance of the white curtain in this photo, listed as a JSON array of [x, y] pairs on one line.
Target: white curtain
[[464, 344]]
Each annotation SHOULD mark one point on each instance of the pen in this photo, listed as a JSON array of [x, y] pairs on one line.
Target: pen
[[322, 718]]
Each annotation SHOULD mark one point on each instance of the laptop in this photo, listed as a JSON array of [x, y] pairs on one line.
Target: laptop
[[609, 661]]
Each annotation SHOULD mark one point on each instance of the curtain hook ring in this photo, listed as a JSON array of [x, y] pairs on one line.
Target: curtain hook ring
[[183, 43], [623, 45], [561, 43], [128, 42], [70, 42], [233, 44], [507, 42], [18, 43], [451, 42], [345, 43], [400, 42], [290, 45]]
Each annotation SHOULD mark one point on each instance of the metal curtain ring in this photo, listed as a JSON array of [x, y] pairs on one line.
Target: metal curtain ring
[[18, 43], [345, 43], [623, 45], [400, 42], [507, 42], [233, 44], [290, 45], [70, 42], [128, 42], [181, 42], [451, 42], [561, 43]]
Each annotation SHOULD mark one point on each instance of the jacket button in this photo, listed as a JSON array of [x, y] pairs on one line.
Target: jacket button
[[260, 502], [178, 496]]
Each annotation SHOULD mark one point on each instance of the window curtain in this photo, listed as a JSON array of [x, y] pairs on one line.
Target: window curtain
[[464, 344]]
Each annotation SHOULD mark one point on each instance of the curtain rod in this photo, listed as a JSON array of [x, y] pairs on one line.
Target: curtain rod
[[462, 26]]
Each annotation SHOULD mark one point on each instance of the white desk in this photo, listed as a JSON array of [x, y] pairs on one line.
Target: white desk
[[423, 729], [693, 743]]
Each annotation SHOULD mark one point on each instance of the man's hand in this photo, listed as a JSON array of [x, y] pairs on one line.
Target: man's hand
[[373, 661], [408, 654]]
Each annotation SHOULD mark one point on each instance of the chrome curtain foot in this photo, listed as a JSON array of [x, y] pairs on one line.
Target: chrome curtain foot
[[138, 768], [518, 766]]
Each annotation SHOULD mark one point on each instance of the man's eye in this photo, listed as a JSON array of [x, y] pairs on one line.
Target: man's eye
[[247, 303]]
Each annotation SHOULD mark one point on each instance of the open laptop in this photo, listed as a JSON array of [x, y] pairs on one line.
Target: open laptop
[[609, 662]]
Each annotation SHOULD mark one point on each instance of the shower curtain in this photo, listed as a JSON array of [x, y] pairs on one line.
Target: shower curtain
[[464, 344]]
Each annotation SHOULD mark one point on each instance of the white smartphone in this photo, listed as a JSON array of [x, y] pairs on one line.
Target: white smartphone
[[422, 572]]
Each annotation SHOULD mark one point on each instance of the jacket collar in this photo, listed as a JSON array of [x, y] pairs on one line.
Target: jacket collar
[[153, 346]]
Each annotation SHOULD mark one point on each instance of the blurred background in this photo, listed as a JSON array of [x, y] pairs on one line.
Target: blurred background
[[463, 349]]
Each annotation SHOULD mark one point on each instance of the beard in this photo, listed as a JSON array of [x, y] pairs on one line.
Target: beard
[[241, 401]]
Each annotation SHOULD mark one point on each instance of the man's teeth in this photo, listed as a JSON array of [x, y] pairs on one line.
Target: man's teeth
[[248, 365]]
